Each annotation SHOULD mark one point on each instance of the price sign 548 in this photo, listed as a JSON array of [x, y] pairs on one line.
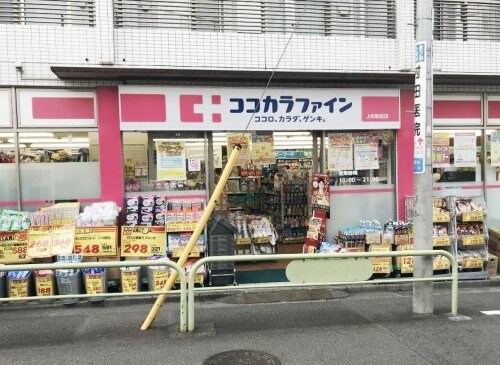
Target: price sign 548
[[96, 241]]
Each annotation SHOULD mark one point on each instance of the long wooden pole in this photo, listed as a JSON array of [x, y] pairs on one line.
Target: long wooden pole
[[194, 237]]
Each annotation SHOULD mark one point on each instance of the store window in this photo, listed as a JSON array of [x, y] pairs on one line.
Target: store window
[[360, 158], [162, 161], [492, 175], [8, 171], [58, 166], [457, 156]]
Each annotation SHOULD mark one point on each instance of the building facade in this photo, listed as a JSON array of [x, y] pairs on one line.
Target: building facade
[[94, 83]]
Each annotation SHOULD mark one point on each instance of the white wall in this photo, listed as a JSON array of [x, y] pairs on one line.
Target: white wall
[[36, 48]]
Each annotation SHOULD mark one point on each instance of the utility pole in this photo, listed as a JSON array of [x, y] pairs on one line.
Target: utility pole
[[422, 292]]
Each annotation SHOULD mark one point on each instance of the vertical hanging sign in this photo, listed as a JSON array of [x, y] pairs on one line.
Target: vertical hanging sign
[[495, 148], [420, 108]]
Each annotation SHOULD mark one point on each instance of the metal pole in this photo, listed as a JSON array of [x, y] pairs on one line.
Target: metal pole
[[422, 291], [194, 237]]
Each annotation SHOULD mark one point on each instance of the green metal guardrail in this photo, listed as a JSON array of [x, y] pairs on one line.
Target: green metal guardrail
[[83, 265], [332, 257]]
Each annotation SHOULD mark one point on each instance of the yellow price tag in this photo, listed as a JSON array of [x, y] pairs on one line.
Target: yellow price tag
[[473, 263], [243, 241], [160, 278], [186, 226], [406, 264], [130, 281], [440, 264], [44, 286], [143, 241], [94, 283], [441, 241], [199, 279], [261, 240], [472, 217], [473, 240], [18, 288], [177, 252], [63, 240], [96, 241], [40, 241], [441, 217], [14, 247]]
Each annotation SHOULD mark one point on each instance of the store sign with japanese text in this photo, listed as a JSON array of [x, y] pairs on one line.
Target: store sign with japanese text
[[205, 108]]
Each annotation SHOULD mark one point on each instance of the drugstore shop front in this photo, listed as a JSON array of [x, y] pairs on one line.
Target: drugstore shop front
[[350, 135]]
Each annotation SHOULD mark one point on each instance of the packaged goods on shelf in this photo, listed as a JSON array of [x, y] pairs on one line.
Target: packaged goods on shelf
[[327, 247], [12, 220], [99, 214], [62, 213]]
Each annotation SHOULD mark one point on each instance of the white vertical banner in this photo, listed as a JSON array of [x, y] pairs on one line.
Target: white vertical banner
[[495, 148], [420, 108], [465, 149]]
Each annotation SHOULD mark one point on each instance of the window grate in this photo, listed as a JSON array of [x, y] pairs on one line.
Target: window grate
[[363, 18], [48, 12]]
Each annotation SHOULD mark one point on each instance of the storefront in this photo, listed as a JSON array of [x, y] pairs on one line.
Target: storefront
[[127, 142], [348, 134]]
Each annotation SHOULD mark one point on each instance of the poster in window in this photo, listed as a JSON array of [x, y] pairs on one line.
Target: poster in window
[[465, 149], [244, 157], [495, 148], [340, 151], [320, 192], [441, 149], [263, 150], [171, 160], [366, 151], [217, 157]]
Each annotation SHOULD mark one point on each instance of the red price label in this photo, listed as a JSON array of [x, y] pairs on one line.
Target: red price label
[[138, 249], [88, 250]]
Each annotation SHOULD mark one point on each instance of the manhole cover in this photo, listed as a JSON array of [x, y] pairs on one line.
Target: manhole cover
[[242, 357]]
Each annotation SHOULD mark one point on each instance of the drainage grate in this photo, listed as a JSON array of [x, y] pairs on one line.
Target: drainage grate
[[242, 357]]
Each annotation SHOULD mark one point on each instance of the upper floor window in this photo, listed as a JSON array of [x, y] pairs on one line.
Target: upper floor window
[[466, 20], [55, 12], [365, 18]]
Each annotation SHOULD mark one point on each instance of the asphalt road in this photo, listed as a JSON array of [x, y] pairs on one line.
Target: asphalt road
[[376, 327]]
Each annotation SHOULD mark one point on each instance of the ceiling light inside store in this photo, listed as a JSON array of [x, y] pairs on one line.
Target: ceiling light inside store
[[36, 134], [52, 140], [58, 146]]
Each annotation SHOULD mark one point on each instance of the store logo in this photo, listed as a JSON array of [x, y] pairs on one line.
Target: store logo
[[196, 109]]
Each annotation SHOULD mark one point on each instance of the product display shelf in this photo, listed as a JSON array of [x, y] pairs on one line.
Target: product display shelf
[[243, 193], [294, 211], [471, 236], [186, 212], [444, 237]]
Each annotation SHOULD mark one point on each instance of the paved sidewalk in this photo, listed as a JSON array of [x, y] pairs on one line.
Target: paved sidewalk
[[350, 327]]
